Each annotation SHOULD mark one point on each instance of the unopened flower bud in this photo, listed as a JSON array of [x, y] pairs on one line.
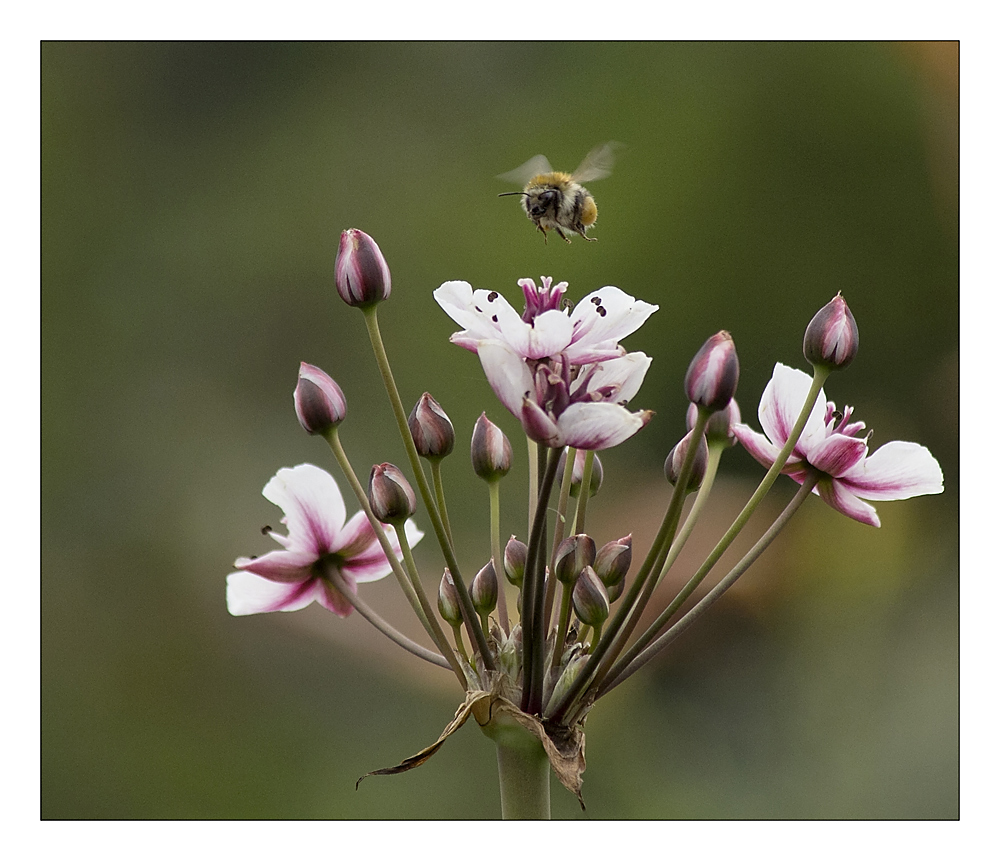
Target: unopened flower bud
[[572, 667], [319, 402], [675, 460], [831, 339], [510, 654], [576, 479], [713, 373], [615, 590], [720, 424], [390, 495], [431, 429], [573, 555], [515, 556], [485, 590], [590, 599], [491, 452], [612, 562], [361, 273], [448, 606]]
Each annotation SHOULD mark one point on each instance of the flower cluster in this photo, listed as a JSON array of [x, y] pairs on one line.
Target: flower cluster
[[535, 649]]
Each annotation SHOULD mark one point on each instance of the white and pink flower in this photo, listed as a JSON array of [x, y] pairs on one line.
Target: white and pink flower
[[590, 332], [831, 443], [561, 372], [561, 404], [318, 538]]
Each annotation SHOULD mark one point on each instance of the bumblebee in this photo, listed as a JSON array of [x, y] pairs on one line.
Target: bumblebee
[[554, 200]]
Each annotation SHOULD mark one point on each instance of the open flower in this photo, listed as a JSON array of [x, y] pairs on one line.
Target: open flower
[[560, 404], [830, 443], [318, 539], [590, 332]]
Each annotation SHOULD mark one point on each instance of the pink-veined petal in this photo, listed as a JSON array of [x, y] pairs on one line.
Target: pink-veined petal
[[781, 404], [625, 373], [314, 509], [330, 597], [507, 373], [588, 354], [462, 339], [357, 537], [621, 315], [898, 470], [836, 454], [761, 449], [539, 426], [372, 564], [280, 566], [597, 426], [549, 334], [247, 593], [839, 497]]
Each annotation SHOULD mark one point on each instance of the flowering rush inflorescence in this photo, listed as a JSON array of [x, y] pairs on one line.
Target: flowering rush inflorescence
[[549, 623]]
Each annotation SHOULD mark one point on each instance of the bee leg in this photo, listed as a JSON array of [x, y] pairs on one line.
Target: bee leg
[[564, 236], [545, 236], [583, 232]]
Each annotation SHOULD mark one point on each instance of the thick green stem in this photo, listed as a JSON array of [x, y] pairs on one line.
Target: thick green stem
[[524, 771]]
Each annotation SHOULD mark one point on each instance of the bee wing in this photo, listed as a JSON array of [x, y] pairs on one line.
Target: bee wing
[[598, 162], [532, 167]]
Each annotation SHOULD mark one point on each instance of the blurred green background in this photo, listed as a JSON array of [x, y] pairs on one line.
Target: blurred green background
[[193, 194]]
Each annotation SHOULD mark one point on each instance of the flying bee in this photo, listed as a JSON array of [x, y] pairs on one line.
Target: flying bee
[[555, 200]]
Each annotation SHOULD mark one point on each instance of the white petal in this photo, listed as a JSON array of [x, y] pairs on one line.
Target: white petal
[[898, 470], [781, 404], [626, 373], [314, 509], [759, 446], [550, 333], [622, 315], [840, 498], [372, 564], [484, 314], [507, 373], [247, 593], [597, 426]]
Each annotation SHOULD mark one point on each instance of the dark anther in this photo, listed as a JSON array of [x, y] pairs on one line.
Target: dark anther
[[493, 296]]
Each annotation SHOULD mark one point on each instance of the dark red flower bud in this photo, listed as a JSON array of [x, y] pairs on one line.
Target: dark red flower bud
[[448, 603], [713, 373], [590, 599], [576, 479], [720, 424], [390, 495], [485, 590], [515, 556], [319, 402], [491, 452], [831, 339], [431, 429], [675, 460], [573, 555], [360, 272]]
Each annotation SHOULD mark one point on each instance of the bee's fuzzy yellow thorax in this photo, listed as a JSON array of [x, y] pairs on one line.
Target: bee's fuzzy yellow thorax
[[556, 178]]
